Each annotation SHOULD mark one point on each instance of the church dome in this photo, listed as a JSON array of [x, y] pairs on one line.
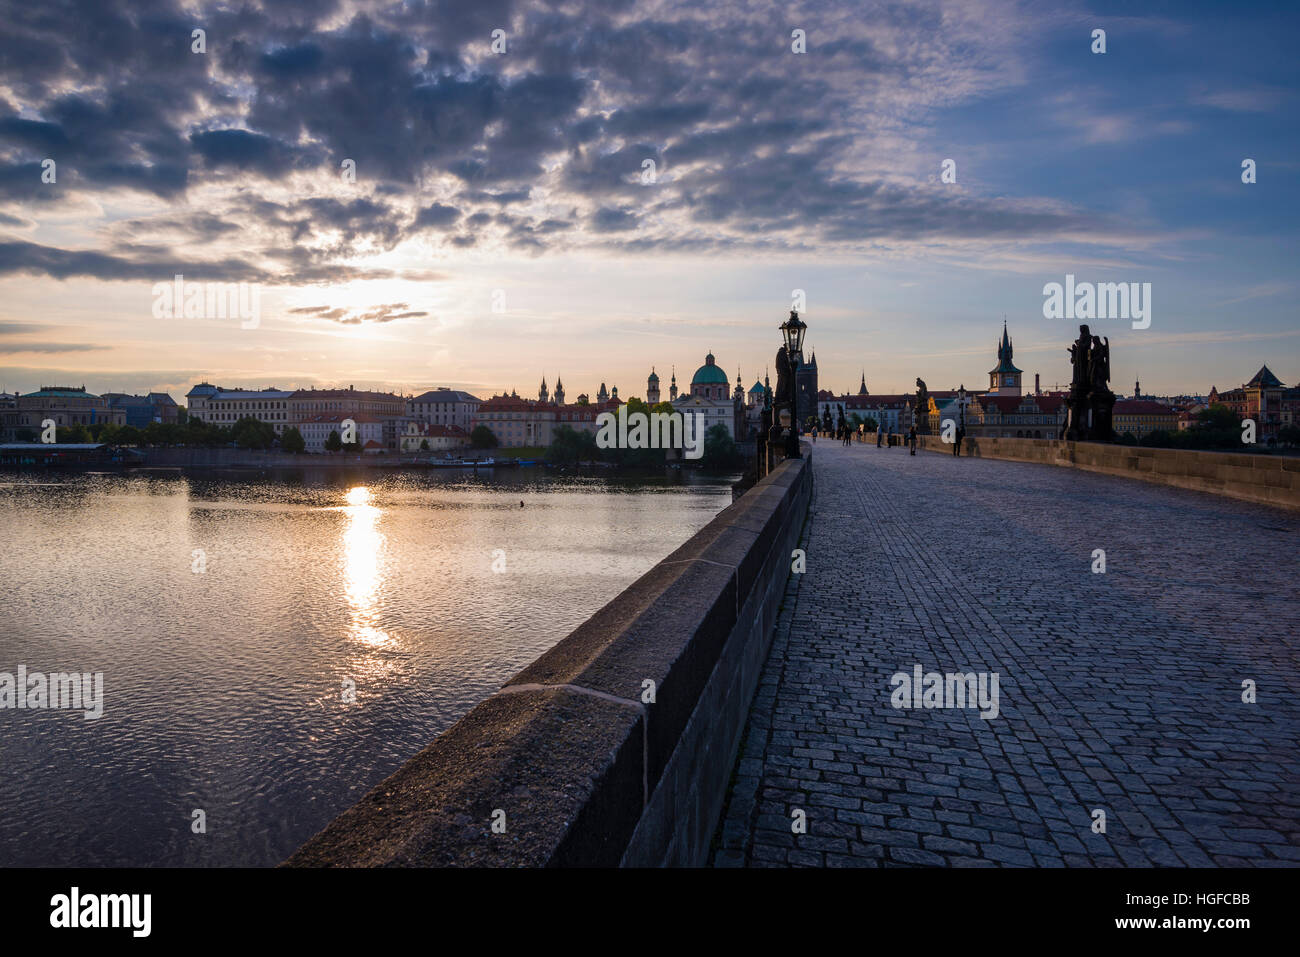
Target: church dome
[[709, 373]]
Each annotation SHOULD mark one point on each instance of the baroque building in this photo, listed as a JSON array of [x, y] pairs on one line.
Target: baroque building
[[711, 398]]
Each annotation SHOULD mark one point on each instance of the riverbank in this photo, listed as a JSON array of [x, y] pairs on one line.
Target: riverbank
[[480, 462]]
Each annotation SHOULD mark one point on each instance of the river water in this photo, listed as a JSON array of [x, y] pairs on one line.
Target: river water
[[229, 616]]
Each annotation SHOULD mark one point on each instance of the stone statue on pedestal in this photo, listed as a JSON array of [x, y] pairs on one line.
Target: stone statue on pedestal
[[921, 408], [783, 398], [1090, 402]]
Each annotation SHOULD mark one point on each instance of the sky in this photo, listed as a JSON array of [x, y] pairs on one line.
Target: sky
[[618, 186]]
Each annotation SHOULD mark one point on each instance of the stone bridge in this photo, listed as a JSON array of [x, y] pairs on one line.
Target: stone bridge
[[738, 706], [1120, 691]]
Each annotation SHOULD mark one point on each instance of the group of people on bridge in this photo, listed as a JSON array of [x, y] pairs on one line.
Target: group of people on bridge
[[845, 432]]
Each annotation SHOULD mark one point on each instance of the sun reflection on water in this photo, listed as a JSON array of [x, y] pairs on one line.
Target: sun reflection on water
[[363, 545]]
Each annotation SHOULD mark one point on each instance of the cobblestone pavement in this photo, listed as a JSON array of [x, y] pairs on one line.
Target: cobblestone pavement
[[1120, 691]]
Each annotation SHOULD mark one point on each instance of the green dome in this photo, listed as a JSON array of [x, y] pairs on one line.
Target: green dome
[[709, 374]]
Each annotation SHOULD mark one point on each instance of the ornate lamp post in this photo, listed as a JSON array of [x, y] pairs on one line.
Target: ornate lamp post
[[961, 402], [793, 330]]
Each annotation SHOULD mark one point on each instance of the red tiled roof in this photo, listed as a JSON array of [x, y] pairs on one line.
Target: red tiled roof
[[1141, 407], [344, 394], [1011, 404], [434, 431], [334, 417], [505, 403]]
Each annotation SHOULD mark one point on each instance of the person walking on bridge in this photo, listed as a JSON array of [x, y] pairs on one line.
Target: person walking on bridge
[[880, 432], [911, 439]]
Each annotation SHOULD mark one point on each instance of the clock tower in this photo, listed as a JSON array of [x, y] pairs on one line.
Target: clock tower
[[1005, 379]]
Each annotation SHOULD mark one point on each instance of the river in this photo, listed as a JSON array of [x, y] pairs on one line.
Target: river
[[232, 615]]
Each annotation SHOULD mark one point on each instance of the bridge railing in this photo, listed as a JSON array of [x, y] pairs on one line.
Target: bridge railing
[[1253, 477]]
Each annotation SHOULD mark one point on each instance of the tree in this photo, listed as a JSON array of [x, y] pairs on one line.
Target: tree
[[182, 415], [251, 433], [292, 441], [72, 433], [719, 449], [871, 424], [202, 434], [333, 443], [1217, 427], [424, 445], [163, 433], [565, 447], [1289, 435], [128, 435], [483, 438]]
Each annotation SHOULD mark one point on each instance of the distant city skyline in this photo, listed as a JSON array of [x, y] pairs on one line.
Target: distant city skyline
[[501, 225]]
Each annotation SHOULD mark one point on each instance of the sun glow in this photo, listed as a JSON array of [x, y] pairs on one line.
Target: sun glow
[[363, 546]]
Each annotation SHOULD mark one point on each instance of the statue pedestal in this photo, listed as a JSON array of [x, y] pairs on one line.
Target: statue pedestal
[[1101, 406]]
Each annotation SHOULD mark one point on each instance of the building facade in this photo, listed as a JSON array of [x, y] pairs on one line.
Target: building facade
[[224, 407], [450, 407], [316, 429], [421, 436], [712, 400], [143, 410], [65, 405], [1138, 417], [516, 422], [1015, 416], [1262, 399]]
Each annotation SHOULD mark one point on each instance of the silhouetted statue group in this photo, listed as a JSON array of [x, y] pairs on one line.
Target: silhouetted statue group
[[1090, 403]]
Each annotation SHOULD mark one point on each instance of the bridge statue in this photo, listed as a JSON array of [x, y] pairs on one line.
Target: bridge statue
[[783, 398], [1090, 403], [921, 408]]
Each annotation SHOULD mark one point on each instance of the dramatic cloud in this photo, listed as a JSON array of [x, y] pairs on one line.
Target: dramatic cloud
[[309, 136]]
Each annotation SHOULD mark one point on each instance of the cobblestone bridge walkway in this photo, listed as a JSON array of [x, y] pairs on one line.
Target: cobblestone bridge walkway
[[1119, 692]]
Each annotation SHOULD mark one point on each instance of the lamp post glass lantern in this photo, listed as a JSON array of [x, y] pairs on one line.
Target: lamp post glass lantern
[[793, 329], [961, 401]]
